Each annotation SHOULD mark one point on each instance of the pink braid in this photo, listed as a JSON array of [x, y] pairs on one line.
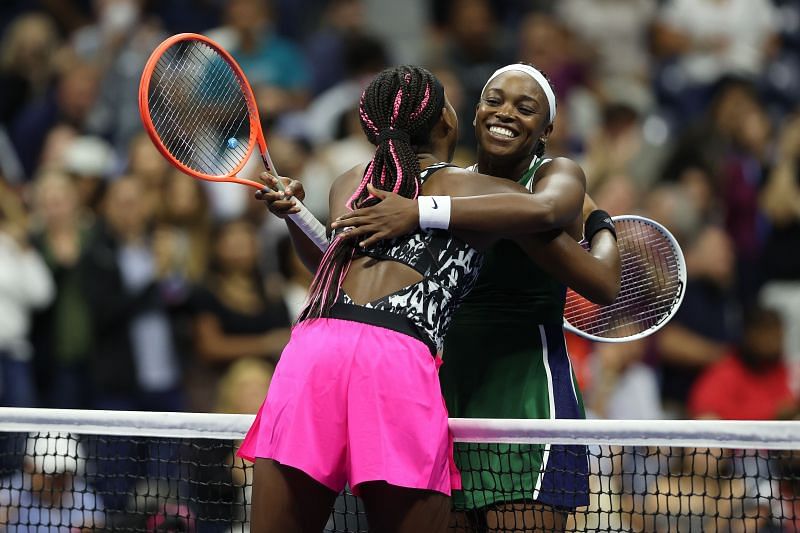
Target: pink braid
[[424, 103], [399, 179], [398, 99], [361, 186], [364, 117]]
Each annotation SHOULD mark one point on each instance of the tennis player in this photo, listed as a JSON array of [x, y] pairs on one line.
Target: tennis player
[[355, 397], [505, 350]]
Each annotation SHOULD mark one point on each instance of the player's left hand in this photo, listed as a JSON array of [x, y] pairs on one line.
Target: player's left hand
[[391, 217]]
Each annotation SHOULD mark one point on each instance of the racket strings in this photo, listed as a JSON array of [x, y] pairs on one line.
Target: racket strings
[[650, 286], [199, 109], [181, 142], [172, 127], [209, 84]]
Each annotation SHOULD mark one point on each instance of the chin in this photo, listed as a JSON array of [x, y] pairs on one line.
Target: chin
[[500, 151]]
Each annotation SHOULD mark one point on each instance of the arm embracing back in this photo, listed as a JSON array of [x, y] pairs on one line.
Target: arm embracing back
[[493, 205]]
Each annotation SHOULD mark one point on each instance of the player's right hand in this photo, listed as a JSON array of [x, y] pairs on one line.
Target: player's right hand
[[280, 202], [391, 217]]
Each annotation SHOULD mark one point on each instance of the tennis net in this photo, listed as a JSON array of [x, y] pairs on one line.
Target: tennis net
[[132, 471]]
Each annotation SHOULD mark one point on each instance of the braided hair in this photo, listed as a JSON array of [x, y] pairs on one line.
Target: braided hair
[[397, 110]]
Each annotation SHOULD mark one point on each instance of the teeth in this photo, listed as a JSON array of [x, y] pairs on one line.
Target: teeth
[[505, 132]]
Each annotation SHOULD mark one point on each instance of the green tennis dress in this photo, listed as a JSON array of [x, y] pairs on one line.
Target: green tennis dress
[[505, 357]]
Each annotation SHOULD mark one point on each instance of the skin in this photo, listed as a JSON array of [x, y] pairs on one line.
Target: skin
[[545, 224], [510, 212]]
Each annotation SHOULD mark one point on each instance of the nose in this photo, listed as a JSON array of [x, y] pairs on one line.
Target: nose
[[504, 113]]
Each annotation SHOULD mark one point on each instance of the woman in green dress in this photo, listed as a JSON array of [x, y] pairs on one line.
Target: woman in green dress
[[505, 350]]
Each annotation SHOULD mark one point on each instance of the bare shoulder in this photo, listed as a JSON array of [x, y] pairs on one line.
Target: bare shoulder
[[349, 179], [343, 187], [456, 181], [562, 166]]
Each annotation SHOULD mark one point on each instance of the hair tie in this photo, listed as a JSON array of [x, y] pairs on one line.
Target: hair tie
[[392, 133]]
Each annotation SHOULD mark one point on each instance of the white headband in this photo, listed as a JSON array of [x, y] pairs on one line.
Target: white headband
[[538, 78]]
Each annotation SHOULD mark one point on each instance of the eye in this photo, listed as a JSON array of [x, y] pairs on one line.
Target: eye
[[525, 110], [492, 101]]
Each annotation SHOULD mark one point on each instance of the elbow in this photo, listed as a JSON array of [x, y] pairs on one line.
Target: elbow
[[610, 293], [545, 218], [604, 293]]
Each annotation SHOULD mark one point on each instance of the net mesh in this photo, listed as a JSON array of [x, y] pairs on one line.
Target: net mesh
[[199, 109], [650, 285], [69, 476]]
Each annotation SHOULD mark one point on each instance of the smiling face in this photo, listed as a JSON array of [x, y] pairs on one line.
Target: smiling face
[[512, 116]]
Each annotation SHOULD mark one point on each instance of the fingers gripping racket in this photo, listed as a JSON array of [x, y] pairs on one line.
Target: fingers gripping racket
[[651, 289], [201, 114]]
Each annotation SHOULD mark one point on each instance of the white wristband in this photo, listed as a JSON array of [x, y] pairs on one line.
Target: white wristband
[[434, 212]]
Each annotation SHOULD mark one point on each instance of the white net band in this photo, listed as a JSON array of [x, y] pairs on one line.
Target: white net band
[[695, 433]]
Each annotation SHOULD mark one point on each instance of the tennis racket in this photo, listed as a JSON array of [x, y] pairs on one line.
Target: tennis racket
[[651, 289], [200, 112]]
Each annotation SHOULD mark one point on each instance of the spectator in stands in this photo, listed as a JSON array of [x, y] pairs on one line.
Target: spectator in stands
[[25, 285], [183, 228], [62, 333], [474, 46], [752, 382], [88, 159], [235, 316], [135, 364], [152, 170], [623, 386], [547, 43], [615, 35], [275, 67], [781, 494], [27, 57], [223, 489], [364, 56], [704, 40], [745, 170], [326, 47], [63, 111], [698, 490], [296, 278], [329, 161], [51, 492], [707, 323], [619, 149], [780, 262], [118, 44]]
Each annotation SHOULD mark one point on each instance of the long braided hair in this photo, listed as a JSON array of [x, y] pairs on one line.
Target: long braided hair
[[398, 110]]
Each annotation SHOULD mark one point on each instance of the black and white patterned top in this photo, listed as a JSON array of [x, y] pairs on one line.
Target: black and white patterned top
[[448, 266]]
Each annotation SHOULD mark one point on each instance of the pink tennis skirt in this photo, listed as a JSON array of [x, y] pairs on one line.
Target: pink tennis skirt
[[352, 402]]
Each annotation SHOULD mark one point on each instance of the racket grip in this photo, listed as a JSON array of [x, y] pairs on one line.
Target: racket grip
[[309, 224]]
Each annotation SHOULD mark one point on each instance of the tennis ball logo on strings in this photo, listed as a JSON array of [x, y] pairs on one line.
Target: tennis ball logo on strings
[[233, 143]]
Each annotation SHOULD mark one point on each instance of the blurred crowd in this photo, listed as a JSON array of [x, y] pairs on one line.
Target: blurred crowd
[[125, 284]]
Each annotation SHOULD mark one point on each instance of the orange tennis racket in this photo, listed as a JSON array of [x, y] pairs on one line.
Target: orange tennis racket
[[200, 112]]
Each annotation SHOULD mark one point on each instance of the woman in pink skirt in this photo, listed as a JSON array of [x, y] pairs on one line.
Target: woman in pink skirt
[[356, 397]]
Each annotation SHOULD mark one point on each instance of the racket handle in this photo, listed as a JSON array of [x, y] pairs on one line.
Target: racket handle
[[309, 224]]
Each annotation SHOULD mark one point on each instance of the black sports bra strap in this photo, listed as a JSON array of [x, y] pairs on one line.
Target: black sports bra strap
[[428, 172]]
